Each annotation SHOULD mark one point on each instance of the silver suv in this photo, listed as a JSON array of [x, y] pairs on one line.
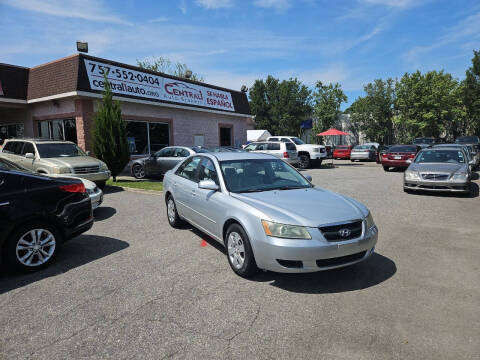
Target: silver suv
[[286, 151], [55, 157]]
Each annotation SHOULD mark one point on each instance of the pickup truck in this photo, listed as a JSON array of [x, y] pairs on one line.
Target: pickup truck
[[308, 154]]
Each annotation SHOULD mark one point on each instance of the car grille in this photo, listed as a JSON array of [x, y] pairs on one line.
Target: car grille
[[332, 232], [86, 169], [435, 177], [341, 260], [322, 150]]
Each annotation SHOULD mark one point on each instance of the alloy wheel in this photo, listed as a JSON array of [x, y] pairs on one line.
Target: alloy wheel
[[35, 247], [171, 210], [236, 249], [138, 172]]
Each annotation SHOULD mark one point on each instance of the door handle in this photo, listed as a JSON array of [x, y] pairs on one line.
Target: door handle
[[5, 203], [193, 193]]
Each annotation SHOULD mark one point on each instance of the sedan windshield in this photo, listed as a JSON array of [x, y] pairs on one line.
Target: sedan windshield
[[440, 156], [54, 150], [362, 147], [467, 140], [255, 175], [403, 148], [297, 141]]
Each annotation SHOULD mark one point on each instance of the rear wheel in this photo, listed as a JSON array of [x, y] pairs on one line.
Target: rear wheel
[[239, 251], [172, 214], [138, 171], [304, 161], [33, 246], [386, 168]]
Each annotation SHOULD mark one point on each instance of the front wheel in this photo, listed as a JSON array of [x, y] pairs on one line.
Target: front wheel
[[239, 251], [33, 246], [304, 161], [386, 168], [138, 171]]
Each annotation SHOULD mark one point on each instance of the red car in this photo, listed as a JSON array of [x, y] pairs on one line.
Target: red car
[[399, 156], [342, 152]]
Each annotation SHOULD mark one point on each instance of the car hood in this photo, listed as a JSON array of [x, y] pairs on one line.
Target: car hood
[[308, 207], [308, 147], [75, 161], [441, 167]]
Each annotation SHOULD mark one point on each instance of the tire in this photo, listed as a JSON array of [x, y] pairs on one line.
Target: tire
[[172, 215], [33, 246], [138, 171], [304, 162], [407, 191], [239, 252], [101, 185], [386, 168], [319, 162]]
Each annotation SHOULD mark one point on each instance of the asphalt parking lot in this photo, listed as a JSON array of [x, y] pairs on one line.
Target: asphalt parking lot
[[132, 287]]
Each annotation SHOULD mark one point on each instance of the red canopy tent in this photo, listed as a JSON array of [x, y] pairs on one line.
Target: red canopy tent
[[332, 132]]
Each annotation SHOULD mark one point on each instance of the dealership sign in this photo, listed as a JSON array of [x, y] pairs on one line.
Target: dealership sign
[[137, 83]]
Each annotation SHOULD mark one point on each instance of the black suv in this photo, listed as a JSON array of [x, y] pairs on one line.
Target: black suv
[[37, 214]]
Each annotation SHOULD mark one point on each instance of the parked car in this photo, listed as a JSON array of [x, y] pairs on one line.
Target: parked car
[[342, 152], [363, 152], [424, 142], [55, 157], [468, 149], [37, 214], [286, 151], [382, 149], [223, 149], [439, 169], [468, 140], [399, 156], [163, 160], [267, 214], [308, 154]]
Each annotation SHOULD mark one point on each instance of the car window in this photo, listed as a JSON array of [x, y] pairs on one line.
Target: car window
[[274, 146], [188, 169], [250, 147], [165, 152], [290, 146], [285, 140], [179, 152], [262, 146], [13, 147], [54, 150], [273, 139], [440, 156], [28, 148], [362, 147], [298, 141], [403, 148], [207, 171]]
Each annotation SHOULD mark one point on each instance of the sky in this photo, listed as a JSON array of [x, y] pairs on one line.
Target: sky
[[235, 42]]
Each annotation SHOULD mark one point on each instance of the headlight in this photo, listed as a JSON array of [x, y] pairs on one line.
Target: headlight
[[412, 175], [285, 231], [369, 220], [460, 176], [61, 170], [103, 166], [316, 150]]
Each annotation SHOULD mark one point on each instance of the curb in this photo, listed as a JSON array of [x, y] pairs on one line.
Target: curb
[[141, 191]]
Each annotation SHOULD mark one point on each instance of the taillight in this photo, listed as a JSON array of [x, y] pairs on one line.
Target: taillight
[[384, 155], [74, 188], [285, 155], [411, 156]]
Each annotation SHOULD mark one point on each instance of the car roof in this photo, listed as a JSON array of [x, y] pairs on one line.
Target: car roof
[[228, 156], [43, 141]]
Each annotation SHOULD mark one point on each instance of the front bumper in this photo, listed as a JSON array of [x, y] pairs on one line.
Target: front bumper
[[424, 185], [359, 156], [317, 254], [318, 156], [95, 177], [96, 198]]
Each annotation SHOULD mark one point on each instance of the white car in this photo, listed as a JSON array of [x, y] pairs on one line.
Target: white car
[[307, 153], [93, 191]]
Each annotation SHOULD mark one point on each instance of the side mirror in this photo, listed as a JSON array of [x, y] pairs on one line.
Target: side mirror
[[308, 177], [29, 156], [208, 185], [88, 153]]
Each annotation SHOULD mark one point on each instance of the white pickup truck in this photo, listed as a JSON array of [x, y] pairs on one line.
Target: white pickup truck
[[308, 154]]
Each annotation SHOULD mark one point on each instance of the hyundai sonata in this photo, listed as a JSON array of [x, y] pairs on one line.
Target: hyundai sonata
[[267, 214]]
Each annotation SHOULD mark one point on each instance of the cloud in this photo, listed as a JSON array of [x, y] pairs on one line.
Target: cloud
[[278, 5], [215, 4], [82, 9], [159, 19], [392, 3]]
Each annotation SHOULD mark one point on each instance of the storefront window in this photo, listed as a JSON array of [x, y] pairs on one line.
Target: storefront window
[[147, 137], [11, 131], [65, 129]]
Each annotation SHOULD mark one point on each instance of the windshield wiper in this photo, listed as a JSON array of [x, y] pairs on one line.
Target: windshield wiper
[[253, 190], [290, 187]]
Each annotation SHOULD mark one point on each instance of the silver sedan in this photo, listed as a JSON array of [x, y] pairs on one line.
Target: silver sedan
[[267, 214]]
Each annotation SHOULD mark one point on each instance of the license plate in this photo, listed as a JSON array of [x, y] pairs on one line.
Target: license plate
[[397, 157]]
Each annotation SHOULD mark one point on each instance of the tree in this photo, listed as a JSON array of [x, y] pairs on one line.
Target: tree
[[471, 96], [373, 113], [164, 65], [110, 133], [280, 106], [428, 104], [327, 102]]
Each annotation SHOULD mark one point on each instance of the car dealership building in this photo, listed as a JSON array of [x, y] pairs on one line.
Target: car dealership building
[[58, 100]]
